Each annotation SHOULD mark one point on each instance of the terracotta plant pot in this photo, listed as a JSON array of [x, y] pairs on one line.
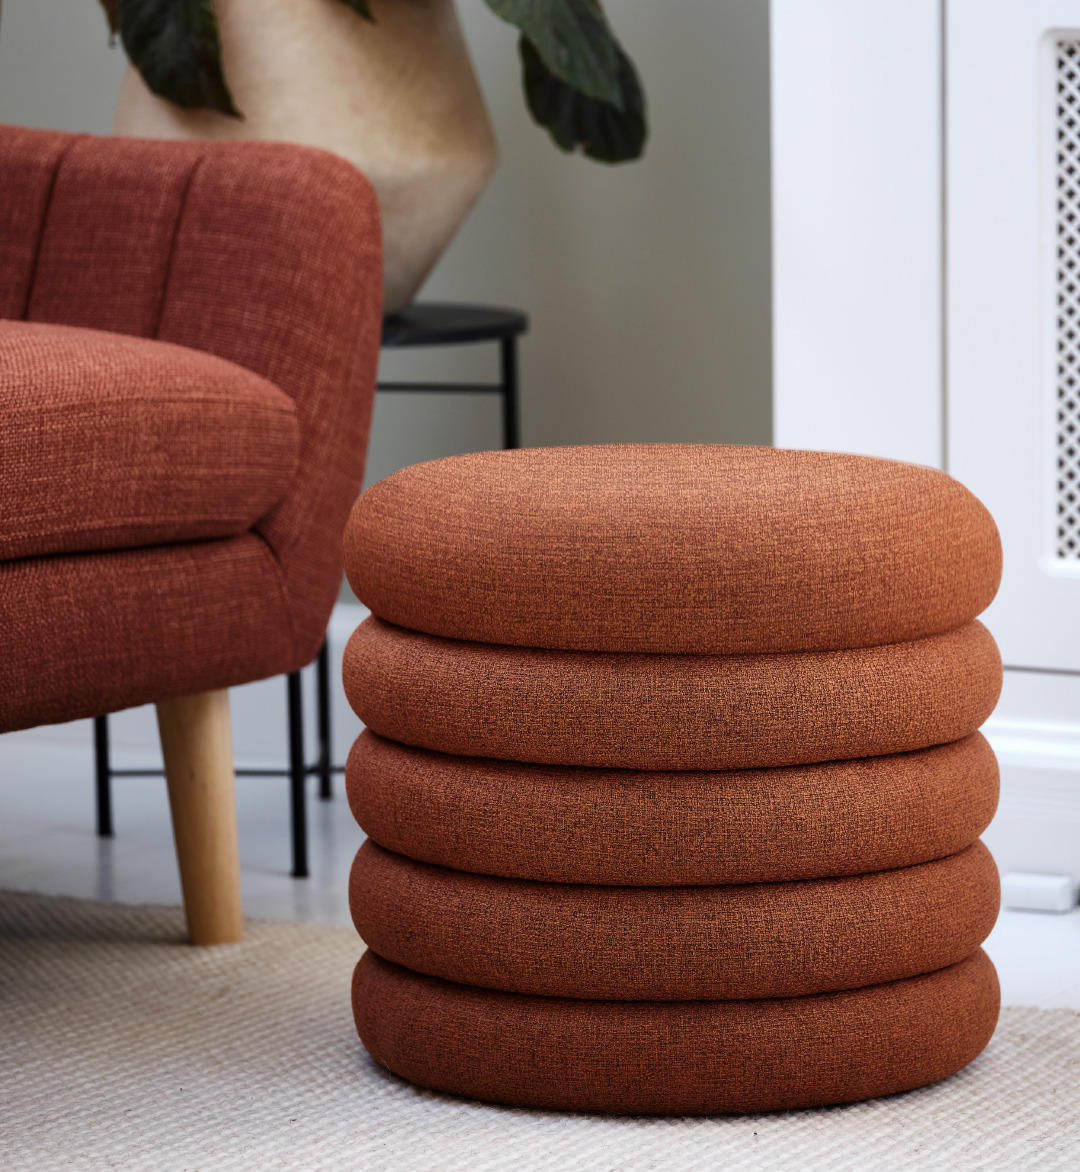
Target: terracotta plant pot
[[398, 98]]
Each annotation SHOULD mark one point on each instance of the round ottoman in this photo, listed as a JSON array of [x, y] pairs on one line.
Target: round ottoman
[[672, 777]]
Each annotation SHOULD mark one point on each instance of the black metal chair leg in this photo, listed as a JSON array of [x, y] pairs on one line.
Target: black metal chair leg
[[103, 777], [297, 772], [511, 427], [322, 678], [297, 775]]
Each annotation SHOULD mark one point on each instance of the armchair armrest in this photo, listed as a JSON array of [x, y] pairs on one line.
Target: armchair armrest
[[267, 254]]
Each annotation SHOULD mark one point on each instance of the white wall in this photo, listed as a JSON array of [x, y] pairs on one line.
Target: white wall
[[647, 285]]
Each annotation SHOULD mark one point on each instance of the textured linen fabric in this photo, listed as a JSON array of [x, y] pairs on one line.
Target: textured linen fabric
[[277, 266], [98, 632], [679, 1058], [691, 548], [673, 943], [571, 825], [659, 712], [267, 255], [109, 442], [31, 158]]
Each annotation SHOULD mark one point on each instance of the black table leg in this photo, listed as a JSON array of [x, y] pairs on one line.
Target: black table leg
[[297, 775], [511, 427], [103, 777], [418, 326], [297, 771], [322, 678]]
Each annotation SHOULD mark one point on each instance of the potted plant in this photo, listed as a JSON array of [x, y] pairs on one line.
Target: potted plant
[[386, 83]]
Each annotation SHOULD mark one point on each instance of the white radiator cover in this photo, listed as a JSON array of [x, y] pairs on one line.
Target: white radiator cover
[[926, 307], [1063, 144]]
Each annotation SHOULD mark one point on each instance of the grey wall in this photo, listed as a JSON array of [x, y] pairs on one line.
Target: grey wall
[[56, 68], [647, 284]]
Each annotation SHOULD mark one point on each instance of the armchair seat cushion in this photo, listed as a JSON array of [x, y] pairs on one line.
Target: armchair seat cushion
[[111, 442]]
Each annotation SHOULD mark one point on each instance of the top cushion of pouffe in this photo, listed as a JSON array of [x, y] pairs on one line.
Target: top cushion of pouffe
[[673, 548]]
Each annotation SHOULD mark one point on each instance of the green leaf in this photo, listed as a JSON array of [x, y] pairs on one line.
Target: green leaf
[[174, 45], [360, 6], [572, 39], [112, 11], [604, 132]]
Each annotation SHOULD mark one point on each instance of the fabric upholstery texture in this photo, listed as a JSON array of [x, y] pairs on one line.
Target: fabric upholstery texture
[[264, 255], [573, 548], [110, 442], [572, 825], [671, 777], [634, 711], [94, 632], [675, 1058], [673, 943]]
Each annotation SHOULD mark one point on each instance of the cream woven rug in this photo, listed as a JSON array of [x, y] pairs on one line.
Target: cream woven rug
[[123, 1048]]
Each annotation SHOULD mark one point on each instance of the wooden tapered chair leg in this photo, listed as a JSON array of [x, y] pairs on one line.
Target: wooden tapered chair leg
[[196, 742]]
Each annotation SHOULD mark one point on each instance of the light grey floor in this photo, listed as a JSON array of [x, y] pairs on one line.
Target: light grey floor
[[47, 840], [47, 844]]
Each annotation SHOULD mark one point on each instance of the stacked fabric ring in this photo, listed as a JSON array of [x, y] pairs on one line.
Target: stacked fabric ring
[[672, 777]]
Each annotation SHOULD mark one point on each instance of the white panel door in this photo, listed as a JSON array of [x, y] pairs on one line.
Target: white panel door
[[1013, 305], [857, 224]]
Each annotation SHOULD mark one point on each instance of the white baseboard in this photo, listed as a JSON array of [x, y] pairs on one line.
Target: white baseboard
[[1035, 733]]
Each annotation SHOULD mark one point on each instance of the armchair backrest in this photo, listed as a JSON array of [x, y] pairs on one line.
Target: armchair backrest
[[267, 254]]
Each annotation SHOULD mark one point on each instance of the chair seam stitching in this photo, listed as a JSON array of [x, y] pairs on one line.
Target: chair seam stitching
[[156, 334], [34, 264], [281, 585]]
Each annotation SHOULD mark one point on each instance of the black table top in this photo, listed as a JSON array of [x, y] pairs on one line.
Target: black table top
[[431, 323]]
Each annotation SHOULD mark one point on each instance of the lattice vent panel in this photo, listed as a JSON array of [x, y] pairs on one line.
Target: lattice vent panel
[[1067, 424]]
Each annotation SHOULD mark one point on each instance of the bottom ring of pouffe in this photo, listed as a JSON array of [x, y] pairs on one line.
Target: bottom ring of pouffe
[[673, 943], [675, 1058]]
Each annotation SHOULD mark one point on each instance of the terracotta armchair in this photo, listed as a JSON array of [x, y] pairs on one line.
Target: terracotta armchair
[[188, 344]]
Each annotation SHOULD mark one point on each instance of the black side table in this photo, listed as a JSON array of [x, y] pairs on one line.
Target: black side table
[[434, 324], [422, 324]]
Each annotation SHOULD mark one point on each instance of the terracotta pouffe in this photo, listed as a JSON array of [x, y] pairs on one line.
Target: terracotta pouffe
[[671, 777]]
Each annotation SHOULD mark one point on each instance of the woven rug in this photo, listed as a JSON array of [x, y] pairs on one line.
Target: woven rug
[[123, 1048]]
